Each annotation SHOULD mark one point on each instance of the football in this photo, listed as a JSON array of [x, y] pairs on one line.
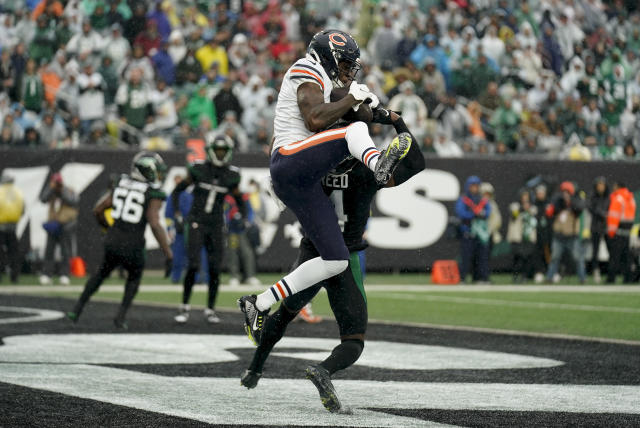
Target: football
[[363, 114]]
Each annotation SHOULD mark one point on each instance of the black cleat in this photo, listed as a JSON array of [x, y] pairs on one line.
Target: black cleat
[[389, 160], [72, 316], [249, 379], [322, 381], [120, 324], [253, 318]]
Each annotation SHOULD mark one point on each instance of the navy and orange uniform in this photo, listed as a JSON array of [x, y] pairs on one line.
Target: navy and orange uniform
[[130, 199], [351, 188]]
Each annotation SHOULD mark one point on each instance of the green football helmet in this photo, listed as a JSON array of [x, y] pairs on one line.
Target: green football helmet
[[219, 142], [148, 166]]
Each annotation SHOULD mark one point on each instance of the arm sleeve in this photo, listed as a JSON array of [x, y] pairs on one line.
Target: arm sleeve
[[413, 163], [46, 194], [462, 210], [175, 196]]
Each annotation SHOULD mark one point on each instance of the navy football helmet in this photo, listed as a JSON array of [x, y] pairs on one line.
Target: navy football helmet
[[332, 47]]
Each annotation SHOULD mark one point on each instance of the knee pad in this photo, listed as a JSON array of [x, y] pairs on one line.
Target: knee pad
[[334, 267]]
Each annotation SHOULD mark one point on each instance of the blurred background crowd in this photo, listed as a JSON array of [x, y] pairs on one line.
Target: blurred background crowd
[[471, 77]]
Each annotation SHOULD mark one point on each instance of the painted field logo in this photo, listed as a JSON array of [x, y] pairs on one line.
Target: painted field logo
[[82, 365]]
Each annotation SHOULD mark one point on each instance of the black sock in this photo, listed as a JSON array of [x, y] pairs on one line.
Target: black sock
[[343, 355], [214, 282], [130, 291], [90, 288], [272, 332], [189, 280]]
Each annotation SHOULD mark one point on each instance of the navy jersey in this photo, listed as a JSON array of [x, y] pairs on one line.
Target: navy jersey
[[211, 184], [130, 199]]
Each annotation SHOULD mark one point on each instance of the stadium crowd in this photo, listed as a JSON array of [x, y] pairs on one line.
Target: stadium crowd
[[552, 230], [471, 77]]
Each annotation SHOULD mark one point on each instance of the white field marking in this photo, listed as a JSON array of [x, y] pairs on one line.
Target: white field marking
[[63, 366], [209, 348], [635, 289], [223, 401], [210, 400], [517, 303], [36, 315]]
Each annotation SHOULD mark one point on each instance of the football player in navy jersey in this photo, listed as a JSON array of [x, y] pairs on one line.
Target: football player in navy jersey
[[304, 151], [351, 187]]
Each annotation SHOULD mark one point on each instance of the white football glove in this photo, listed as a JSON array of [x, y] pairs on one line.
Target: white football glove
[[360, 93], [374, 100]]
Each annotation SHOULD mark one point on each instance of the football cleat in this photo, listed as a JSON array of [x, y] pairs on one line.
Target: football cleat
[[253, 281], [211, 317], [249, 379], [322, 381], [253, 318], [389, 160], [183, 314], [306, 315], [72, 316], [120, 324]]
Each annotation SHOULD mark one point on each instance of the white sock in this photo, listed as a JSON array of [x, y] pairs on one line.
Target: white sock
[[304, 276], [361, 146]]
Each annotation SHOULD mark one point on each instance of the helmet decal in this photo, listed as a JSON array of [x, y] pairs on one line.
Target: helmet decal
[[334, 36]]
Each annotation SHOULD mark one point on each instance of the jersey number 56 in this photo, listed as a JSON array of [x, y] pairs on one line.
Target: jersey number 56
[[127, 205]]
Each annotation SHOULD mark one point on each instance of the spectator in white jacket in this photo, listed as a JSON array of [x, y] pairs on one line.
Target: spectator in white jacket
[[85, 43], [117, 47], [91, 99], [414, 111]]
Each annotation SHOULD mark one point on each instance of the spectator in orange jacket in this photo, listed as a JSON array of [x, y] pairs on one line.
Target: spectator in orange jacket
[[620, 217]]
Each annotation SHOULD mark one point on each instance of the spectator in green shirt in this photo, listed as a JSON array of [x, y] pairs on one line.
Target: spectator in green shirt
[[200, 105], [32, 90]]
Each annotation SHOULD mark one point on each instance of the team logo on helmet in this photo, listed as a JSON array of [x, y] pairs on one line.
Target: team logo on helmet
[[333, 37]]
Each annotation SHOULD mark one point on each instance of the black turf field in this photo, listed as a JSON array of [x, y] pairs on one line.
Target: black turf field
[[587, 363]]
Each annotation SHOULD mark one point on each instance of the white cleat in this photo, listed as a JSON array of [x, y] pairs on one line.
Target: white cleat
[[211, 317], [183, 314], [253, 281]]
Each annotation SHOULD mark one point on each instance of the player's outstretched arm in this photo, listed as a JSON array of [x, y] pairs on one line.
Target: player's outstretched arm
[[175, 203], [98, 210], [153, 218], [413, 163], [317, 114]]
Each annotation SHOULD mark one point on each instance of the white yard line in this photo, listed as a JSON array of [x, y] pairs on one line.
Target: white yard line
[[37, 289], [517, 303]]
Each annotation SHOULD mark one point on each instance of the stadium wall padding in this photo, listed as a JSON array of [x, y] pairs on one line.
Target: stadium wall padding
[[408, 224]]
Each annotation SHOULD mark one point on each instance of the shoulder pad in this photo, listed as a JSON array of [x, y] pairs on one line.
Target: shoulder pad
[[157, 193], [194, 170]]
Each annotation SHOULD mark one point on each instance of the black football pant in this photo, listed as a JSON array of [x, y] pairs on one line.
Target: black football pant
[[132, 260], [212, 238], [349, 305], [9, 253], [619, 259]]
